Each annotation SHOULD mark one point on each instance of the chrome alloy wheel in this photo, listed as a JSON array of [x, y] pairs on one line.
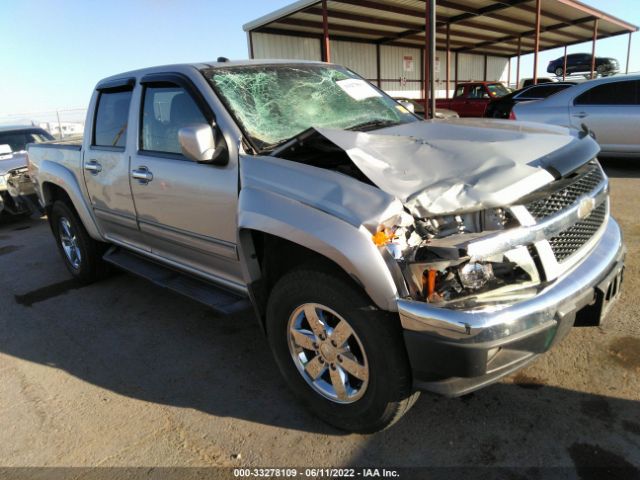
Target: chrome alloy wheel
[[69, 242], [328, 353]]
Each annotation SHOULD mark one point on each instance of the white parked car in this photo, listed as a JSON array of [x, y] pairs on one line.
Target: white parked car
[[609, 107]]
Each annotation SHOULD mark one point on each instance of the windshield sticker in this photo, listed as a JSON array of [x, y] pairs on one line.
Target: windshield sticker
[[358, 89]]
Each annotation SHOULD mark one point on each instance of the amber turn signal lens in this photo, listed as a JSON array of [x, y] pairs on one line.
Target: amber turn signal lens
[[381, 238]]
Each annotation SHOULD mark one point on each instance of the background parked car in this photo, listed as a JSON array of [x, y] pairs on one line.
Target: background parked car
[[17, 193], [417, 107], [17, 137], [528, 82], [609, 107], [471, 99], [501, 107], [581, 63]]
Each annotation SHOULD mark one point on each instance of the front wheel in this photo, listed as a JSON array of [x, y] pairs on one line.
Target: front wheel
[[343, 357], [82, 255], [559, 72]]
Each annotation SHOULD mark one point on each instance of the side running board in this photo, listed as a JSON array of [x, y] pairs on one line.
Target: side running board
[[215, 297]]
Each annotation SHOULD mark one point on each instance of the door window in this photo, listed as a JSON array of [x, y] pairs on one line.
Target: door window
[[477, 91], [614, 93], [111, 119], [165, 111], [459, 91]]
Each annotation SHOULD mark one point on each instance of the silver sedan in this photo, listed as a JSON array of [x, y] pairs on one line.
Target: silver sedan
[[609, 107]]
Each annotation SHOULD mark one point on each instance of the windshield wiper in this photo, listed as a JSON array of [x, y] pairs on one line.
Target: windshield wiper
[[373, 125]]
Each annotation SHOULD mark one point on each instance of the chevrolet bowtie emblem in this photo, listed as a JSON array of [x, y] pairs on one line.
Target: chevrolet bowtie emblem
[[586, 207]]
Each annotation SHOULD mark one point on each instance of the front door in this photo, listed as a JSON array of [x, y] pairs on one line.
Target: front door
[[106, 166], [186, 210]]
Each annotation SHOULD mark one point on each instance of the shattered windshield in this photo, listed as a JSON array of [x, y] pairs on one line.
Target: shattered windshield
[[274, 103]]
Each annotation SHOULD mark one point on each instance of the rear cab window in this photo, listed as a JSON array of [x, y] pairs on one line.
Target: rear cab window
[[111, 118]]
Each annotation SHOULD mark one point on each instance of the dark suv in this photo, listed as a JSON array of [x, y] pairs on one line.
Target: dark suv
[[581, 62]]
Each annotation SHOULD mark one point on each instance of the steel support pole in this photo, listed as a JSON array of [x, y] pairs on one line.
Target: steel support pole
[[59, 124], [537, 42], [426, 63], [485, 69], [378, 65], [509, 73], [518, 63], [432, 56], [564, 65], [628, 52], [593, 48], [449, 58], [325, 33]]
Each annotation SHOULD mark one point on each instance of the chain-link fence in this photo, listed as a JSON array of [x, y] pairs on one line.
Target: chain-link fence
[[62, 123]]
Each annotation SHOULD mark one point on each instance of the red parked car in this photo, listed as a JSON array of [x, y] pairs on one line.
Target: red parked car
[[472, 98]]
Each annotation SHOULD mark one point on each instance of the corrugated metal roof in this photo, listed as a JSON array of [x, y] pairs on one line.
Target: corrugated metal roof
[[476, 26]]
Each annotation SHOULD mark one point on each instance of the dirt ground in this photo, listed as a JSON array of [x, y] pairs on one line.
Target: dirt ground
[[122, 373]]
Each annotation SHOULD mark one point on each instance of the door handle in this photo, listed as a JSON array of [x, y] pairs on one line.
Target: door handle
[[580, 115], [93, 166], [142, 174]]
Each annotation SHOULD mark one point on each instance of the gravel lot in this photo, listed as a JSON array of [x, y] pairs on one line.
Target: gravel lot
[[123, 373]]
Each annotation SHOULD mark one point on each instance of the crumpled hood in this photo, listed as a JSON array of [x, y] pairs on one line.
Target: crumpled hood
[[445, 167], [11, 162]]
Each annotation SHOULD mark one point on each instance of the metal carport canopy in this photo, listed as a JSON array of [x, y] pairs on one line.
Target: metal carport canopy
[[504, 28]]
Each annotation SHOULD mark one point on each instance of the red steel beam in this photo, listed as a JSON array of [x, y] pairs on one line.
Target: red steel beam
[[598, 14], [427, 61], [449, 59], [325, 32], [537, 42], [593, 47], [518, 64]]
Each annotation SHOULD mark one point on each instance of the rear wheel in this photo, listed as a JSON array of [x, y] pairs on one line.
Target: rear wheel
[[82, 255], [559, 72], [341, 356]]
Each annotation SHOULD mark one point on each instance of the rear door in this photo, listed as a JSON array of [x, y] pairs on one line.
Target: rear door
[[186, 210], [106, 162], [612, 111]]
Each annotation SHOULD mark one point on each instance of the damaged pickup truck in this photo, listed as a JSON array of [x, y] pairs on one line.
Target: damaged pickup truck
[[382, 254], [17, 193]]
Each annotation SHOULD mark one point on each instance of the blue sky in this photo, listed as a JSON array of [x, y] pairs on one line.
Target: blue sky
[[53, 53]]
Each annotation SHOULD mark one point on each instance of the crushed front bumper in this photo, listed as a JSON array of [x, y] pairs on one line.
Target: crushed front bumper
[[454, 352]]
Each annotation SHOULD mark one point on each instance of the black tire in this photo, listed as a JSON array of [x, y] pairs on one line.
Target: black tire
[[601, 69], [389, 393], [90, 267], [559, 71]]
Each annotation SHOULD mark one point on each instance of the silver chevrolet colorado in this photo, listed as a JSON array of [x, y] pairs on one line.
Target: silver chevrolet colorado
[[382, 254]]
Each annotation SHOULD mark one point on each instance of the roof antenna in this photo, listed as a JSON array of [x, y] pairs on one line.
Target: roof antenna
[[222, 59]]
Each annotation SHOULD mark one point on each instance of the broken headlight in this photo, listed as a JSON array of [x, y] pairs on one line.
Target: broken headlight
[[431, 255]]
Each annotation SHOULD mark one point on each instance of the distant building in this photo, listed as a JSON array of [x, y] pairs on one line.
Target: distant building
[[68, 128]]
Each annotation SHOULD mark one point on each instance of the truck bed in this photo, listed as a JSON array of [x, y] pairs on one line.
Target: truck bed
[[74, 142]]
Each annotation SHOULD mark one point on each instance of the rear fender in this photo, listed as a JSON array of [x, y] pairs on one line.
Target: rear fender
[[54, 174]]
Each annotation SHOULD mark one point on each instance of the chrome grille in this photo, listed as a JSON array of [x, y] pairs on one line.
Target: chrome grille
[[576, 236], [567, 196]]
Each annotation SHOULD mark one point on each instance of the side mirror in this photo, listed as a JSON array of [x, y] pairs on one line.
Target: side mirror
[[198, 143]]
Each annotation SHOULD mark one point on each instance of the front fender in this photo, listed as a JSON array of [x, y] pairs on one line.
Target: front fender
[[348, 246], [50, 172]]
